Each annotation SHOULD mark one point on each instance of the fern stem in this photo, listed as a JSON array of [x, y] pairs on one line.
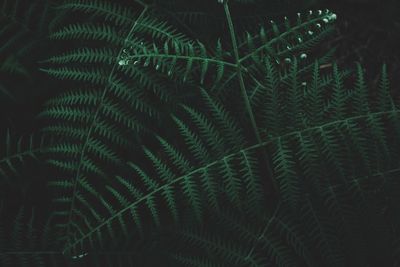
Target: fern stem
[[91, 128], [244, 91], [157, 55]]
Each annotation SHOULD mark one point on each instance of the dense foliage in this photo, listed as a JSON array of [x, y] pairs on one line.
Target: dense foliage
[[216, 133]]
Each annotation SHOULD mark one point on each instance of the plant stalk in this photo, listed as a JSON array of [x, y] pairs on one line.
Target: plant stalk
[[244, 91]]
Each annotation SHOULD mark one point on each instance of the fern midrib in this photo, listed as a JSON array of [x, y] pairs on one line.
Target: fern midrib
[[91, 127], [244, 91], [239, 72], [196, 58]]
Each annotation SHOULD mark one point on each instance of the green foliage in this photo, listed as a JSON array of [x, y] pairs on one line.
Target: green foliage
[[94, 124], [280, 43], [206, 171], [253, 138], [343, 226]]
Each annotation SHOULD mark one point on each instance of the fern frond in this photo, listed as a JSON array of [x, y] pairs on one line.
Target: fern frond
[[89, 32], [93, 76], [192, 56], [210, 158], [326, 230], [210, 171], [85, 55], [196, 181], [95, 124]]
